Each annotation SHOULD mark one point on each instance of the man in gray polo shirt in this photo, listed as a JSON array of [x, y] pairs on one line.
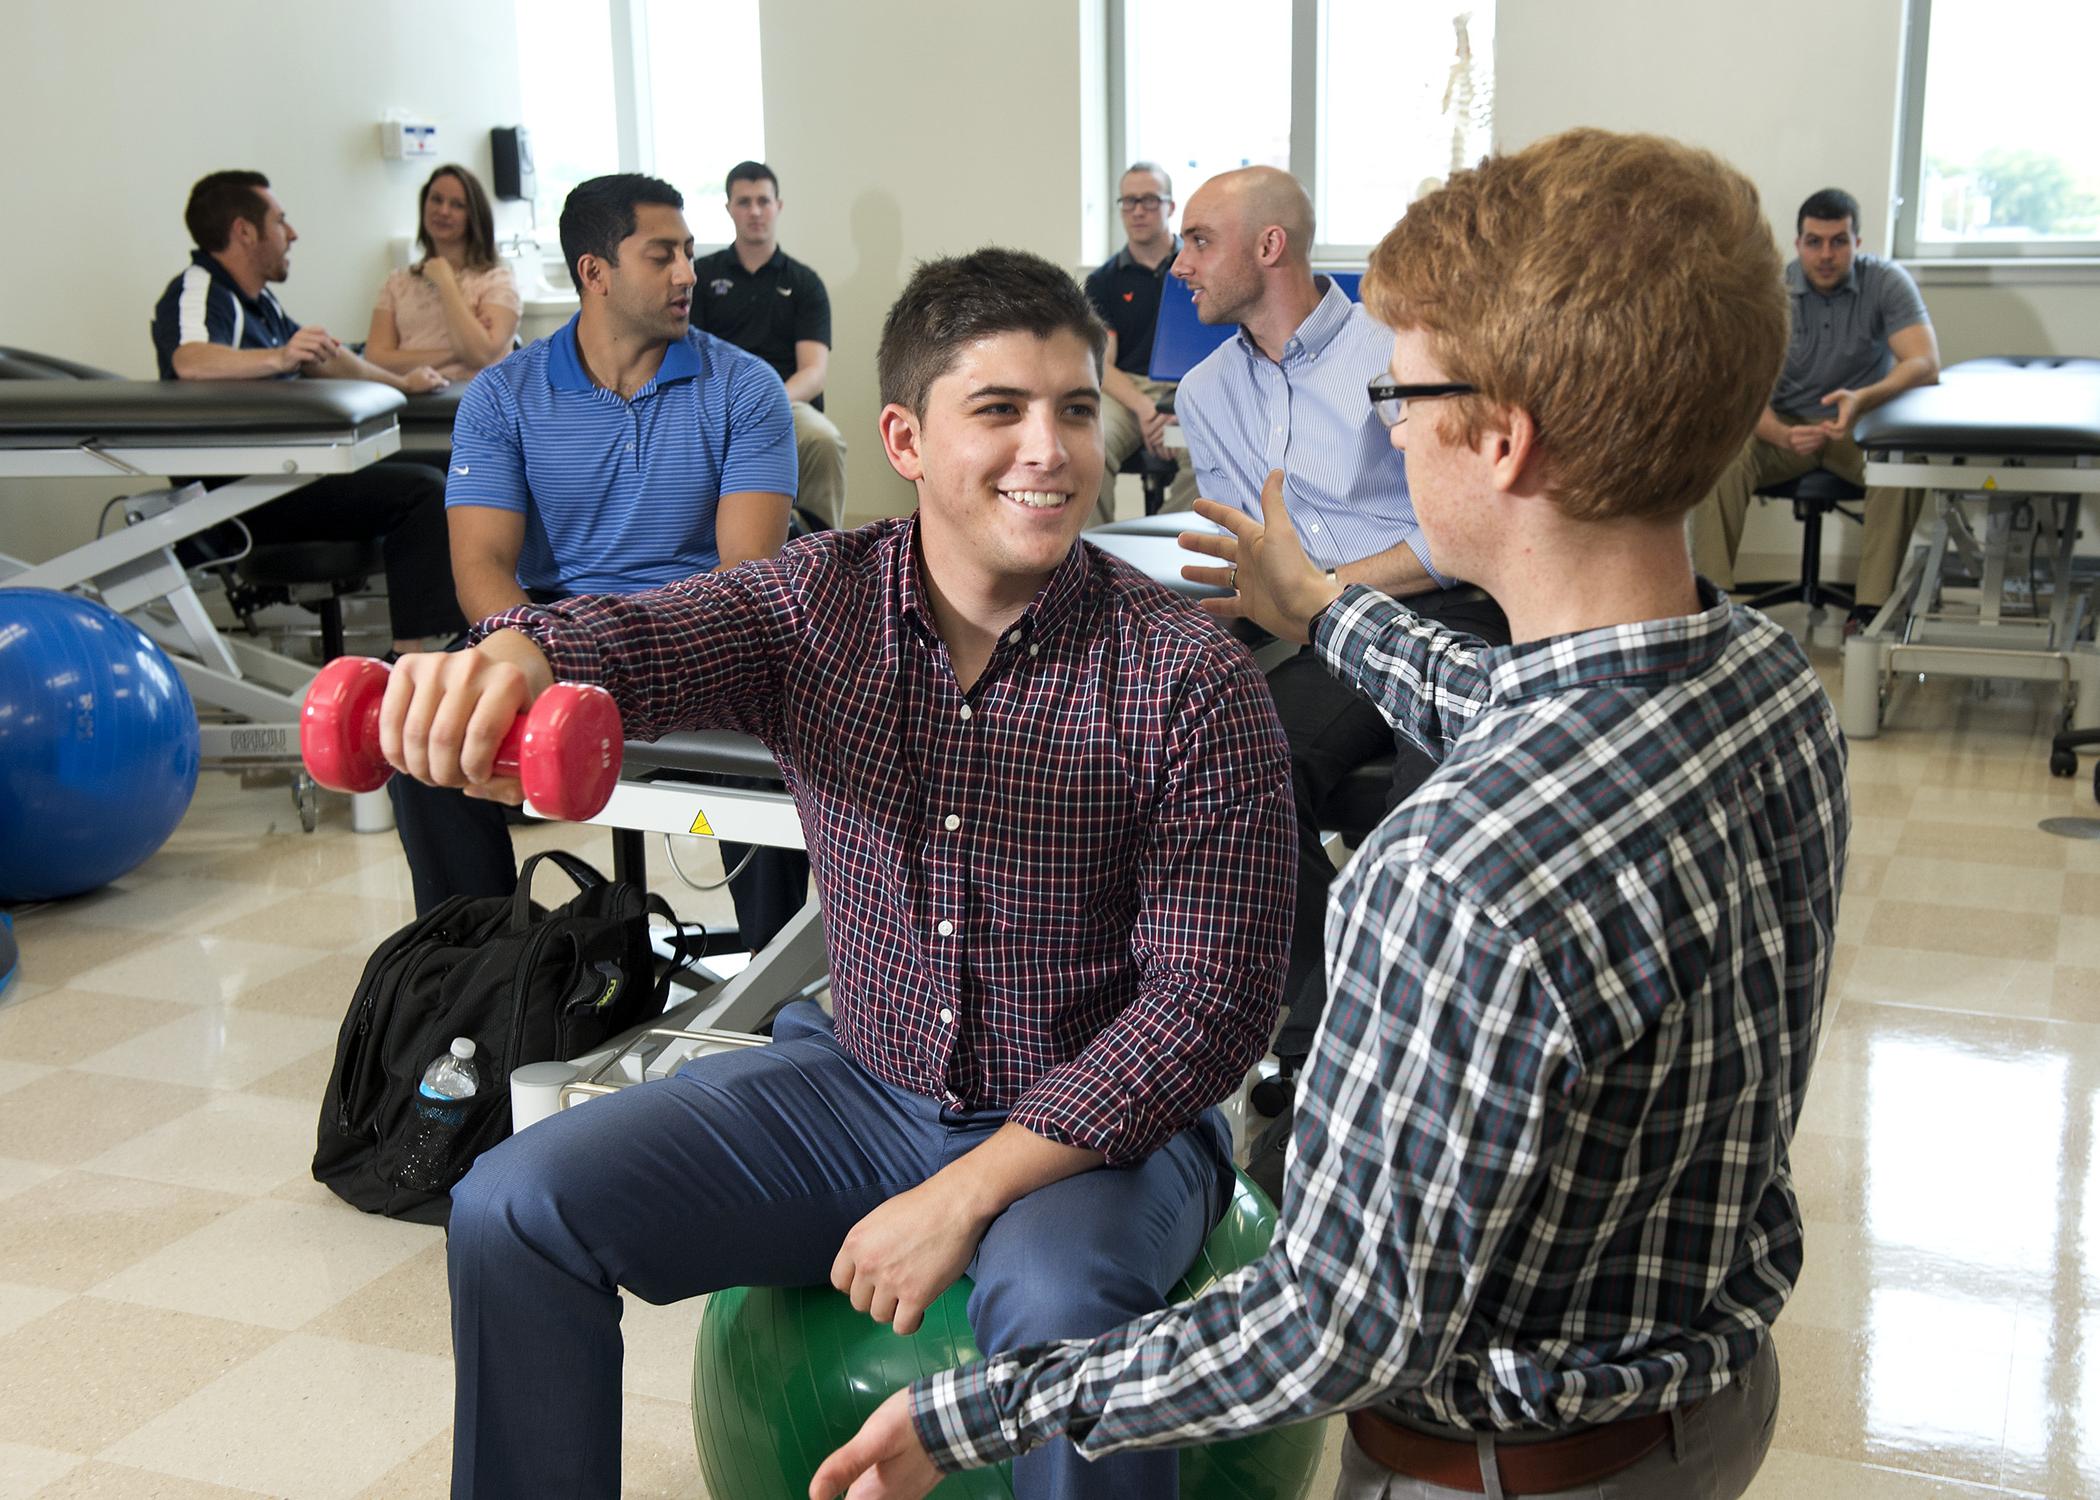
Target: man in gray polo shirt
[[1860, 338]]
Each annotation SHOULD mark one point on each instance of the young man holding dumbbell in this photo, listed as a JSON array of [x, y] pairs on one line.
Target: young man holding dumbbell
[[1049, 809]]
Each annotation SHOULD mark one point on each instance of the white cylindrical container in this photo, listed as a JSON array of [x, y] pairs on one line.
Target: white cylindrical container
[[535, 1092], [371, 812]]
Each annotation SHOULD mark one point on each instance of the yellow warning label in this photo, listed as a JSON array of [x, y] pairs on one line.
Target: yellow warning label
[[1990, 482], [702, 826]]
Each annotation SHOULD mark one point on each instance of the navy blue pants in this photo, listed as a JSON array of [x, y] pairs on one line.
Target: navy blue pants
[[748, 1168]]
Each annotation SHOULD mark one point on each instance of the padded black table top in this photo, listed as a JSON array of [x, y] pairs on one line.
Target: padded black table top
[[1997, 407], [711, 752], [163, 413], [434, 409]]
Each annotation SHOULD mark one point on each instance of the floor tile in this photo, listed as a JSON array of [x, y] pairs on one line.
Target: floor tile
[[1928, 927], [270, 1262], [25, 1304], [1799, 1476], [195, 969], [407, 1308], [62, 1117], [61, 1026], [15, 1075], [1976, 888], [659, 1344], [175, 906], [656, 1450], [321, 990], [1949, 981], [425, 1474], [343, 922], [231, 1143], [77, 1228], [55, 948], [101, 1481], [124, 1366], [24, 1470], [319, 1418], [216, 1046]]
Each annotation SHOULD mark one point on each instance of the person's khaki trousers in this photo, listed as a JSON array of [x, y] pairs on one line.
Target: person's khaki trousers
[[820, 458], [1121, 438], [1717, 521]]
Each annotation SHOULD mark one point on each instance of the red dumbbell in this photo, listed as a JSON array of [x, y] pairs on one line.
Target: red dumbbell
[[565, 748]]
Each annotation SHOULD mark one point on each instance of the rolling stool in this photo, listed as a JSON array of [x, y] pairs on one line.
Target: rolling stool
[[1156, 474], [315, 576], [1814, 494]]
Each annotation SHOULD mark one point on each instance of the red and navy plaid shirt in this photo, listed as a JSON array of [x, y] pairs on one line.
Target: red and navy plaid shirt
[[1065, 893]]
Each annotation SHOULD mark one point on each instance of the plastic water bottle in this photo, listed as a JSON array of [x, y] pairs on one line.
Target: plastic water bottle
[[429, 1163], [452, 1074]]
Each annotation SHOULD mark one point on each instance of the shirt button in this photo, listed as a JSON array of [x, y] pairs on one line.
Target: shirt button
[[1033, 649], [1013, 638], [966, 712], [946, 929], [1315, 526], [951, 822], [947, 1016]]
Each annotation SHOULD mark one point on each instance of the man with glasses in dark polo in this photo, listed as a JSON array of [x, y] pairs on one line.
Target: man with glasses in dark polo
[[1125, 291]]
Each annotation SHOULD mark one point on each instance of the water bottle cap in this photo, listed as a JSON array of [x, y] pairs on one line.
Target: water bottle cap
[[462, 1047]]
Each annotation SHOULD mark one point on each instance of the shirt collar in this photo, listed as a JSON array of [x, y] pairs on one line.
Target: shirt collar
[[1328, 318], [1655, 651], [1797, 280], [565, 370], [1052, 605], [224, 277], [1125, 261]]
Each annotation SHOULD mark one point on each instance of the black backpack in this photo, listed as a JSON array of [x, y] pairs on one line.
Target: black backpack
[[525, 984]]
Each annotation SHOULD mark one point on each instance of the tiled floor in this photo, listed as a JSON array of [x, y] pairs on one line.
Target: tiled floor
[[183, 1313]]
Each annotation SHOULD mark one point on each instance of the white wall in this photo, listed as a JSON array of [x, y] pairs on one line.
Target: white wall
[[1799, 94], [112, 108], [913, 129]]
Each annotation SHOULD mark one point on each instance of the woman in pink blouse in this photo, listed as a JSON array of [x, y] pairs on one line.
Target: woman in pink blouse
[[456, 308]]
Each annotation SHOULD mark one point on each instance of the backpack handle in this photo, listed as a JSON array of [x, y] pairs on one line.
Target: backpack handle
[[582, 871]]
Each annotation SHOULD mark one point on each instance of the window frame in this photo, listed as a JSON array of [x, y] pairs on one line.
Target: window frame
[[1306, 89], [1910, 177], [634, 120]]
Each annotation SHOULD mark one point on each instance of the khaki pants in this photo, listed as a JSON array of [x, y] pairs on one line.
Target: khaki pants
[[1717, 521], [820, 458], [1121, 438]]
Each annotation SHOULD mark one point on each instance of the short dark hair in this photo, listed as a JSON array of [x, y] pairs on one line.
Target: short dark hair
[[750, 171], [598, 214], [217, 200], [1166, 183], [953, 302], [481, 219], [1830, 203]]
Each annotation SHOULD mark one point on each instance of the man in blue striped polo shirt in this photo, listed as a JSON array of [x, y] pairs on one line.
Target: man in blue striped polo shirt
[[1539, 1219], [1288, 393], [626, 451]]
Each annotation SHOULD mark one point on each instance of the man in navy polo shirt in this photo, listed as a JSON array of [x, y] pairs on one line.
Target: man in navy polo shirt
[[1125, 292], [628, 450], [761, 299], [218, 320]]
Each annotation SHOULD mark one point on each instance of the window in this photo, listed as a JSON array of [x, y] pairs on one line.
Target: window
[[1345, 94], [671, 89], [1998, 157]]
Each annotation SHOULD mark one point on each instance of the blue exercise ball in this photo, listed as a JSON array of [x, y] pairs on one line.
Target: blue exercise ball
[[98, 745]]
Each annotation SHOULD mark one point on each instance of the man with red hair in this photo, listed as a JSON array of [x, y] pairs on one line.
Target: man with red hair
[[1538, 1219]]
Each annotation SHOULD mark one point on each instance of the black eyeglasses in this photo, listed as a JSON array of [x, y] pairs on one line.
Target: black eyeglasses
[[1389, 398], [1148, 201]]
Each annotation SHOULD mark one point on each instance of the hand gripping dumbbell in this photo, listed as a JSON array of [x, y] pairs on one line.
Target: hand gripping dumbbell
[[565, 748]]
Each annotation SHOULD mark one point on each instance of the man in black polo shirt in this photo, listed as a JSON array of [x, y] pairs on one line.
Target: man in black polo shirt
[[757, 297], [1125, 292], [219, 320]]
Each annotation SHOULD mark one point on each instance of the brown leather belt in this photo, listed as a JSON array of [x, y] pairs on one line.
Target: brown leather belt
[[1540, 1468]]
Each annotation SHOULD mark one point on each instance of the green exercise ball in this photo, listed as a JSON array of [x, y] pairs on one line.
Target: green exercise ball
[[782, 1376]]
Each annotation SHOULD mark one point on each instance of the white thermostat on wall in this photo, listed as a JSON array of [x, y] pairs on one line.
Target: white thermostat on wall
[[404, 139]]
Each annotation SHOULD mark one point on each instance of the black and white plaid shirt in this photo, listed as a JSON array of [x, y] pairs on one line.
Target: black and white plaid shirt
[[1539, 1175]]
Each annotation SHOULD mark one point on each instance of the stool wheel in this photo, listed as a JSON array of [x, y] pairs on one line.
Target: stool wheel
[[2064, 763]]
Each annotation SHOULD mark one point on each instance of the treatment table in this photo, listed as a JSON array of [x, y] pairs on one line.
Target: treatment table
[[2007, 448], [268, 437]]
